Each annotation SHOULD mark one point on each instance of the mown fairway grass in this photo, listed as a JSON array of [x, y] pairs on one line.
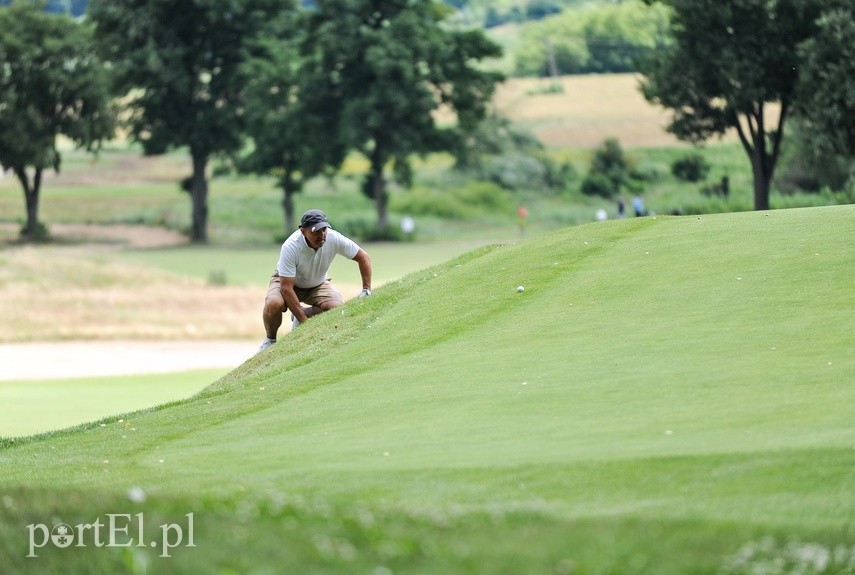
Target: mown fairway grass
[[35, 406], [669, 395], [253, 266]]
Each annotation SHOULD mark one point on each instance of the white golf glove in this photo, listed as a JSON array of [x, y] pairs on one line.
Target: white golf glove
[[365, 292]]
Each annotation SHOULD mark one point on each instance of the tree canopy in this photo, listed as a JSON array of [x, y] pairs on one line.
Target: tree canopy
[[733, 65], [51, 84], [180, 66], [290, 114], [827, 83], [393, 66]]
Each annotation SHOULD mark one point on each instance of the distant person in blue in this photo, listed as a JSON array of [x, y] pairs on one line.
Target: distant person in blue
[[638, 206]]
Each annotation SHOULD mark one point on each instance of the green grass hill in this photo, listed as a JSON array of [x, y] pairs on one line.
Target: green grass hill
[[667, 395]]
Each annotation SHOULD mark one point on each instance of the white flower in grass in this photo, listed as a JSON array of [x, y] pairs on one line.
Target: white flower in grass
[[136, 494]]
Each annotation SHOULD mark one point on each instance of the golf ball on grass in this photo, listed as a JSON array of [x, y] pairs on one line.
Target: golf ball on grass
[[520, 289]]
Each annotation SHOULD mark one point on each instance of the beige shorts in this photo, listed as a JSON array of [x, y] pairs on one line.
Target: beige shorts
[[316, 296]]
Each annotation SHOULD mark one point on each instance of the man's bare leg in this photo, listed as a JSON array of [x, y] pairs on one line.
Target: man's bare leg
[[272, 317]]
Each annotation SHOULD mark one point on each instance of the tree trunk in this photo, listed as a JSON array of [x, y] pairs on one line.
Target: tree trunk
[[378, 190], [288, 203], [379, 186], [199, 199], [761, 180], [31, 201], [753, 138]]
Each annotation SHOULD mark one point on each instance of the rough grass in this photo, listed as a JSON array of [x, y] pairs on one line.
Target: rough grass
[[52, 293], [105, 291], [667, 395]]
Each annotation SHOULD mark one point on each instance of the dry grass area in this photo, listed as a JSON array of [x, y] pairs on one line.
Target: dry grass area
[[74, 293], [590, 109]]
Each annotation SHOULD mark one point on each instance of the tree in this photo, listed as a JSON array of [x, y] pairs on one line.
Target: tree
[[827, 85], [51, 84], [733, 64], [393, 65], [180, 66], [290, 116]]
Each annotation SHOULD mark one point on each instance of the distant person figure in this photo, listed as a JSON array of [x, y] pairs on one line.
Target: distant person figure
[[602, 215], [638, 205], [522, 216], [408, 225], [301, 274], [621, 208]]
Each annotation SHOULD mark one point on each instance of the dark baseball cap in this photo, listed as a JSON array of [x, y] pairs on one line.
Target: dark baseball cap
[[314, 220]]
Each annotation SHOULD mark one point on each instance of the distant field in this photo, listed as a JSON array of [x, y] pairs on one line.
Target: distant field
[[590, 109], [122, 187]]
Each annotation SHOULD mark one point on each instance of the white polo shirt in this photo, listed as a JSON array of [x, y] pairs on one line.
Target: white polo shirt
[[309, 267]]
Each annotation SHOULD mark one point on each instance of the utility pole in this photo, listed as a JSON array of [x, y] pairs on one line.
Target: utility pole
[[553, 67]]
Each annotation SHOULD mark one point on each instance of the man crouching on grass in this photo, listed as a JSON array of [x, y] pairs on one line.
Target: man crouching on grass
[[301, 274]]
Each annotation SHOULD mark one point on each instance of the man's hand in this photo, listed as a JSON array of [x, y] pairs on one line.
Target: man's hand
[[364, 293]]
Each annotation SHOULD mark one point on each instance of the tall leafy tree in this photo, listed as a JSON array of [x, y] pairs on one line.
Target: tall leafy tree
[[180, 66], [51, 84], [827, 85], [290, 115], [392, 65], [733, 64]]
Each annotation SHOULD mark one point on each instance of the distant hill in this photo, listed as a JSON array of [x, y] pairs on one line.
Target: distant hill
[[488, 12], [74, 7], [78, 7]]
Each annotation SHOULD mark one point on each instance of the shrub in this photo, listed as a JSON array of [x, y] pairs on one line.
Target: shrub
[[514, 171], [610, 170], [559, 174], [691, 168], [806, 165], [459, 203], [41, 235], [423, 202], [485, 197], [597, 184], [609, 160], [364, 228], [721, 189]]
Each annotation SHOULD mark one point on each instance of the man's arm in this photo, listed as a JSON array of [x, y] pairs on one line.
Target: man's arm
[[364, 261], [286, 285]]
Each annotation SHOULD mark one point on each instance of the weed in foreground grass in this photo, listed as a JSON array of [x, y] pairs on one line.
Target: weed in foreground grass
[[769, 556]]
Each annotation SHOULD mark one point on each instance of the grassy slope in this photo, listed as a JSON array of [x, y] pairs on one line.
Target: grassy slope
[[664, 392]]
